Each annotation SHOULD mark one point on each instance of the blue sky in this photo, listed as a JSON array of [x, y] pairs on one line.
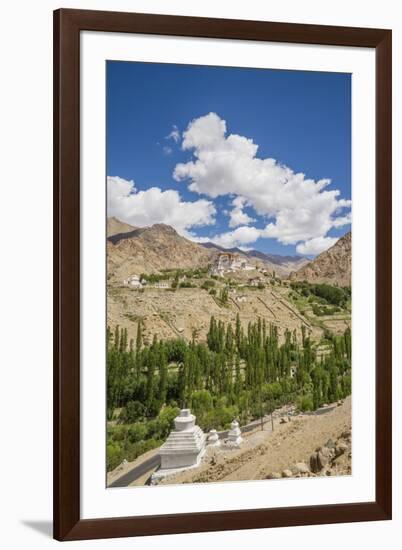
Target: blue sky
[[181, 149]]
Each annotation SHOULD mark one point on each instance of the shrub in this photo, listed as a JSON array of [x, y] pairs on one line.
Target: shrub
[[136, 449], [201, 402], [324, 310], [137, 432], [346, 385], [175, 350], [132, 412], [223, 296], [117, 433], [305, 403], [160, 427], [209, 283], [114, 456], [219, 418], [325, 292]]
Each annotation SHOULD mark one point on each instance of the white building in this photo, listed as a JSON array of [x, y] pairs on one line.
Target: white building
[[255, 282], [162, 284], [229, 263], [133, 281]]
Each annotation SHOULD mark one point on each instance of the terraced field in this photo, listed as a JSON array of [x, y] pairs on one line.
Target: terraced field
[[188, 310]]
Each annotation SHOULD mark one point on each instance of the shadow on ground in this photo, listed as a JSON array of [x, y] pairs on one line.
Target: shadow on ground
[[41, 526]]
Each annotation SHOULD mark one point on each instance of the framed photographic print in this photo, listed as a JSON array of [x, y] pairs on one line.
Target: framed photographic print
[[222, 209]]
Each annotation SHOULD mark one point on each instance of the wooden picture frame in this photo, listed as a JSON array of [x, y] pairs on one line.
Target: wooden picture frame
[[68, 524]]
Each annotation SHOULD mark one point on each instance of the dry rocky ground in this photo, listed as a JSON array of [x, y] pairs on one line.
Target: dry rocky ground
[[172, 314], [306, 446]]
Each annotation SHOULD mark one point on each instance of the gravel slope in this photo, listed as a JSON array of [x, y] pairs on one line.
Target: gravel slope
[[264, 452]]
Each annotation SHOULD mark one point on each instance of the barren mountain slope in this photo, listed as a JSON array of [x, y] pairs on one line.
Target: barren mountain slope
[[115, 226], [332, 266], [150, 249]]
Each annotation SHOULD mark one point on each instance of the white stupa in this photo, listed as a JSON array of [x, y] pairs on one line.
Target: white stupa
[[234, 435], [183, 448], [213, 439]]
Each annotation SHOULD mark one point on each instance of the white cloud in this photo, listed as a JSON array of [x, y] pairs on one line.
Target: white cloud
[[237, 215], [240, 237], [315, 246], [244, 236], [174, 134], [167, 150], [343, 220], [297, 209], [142, 208]]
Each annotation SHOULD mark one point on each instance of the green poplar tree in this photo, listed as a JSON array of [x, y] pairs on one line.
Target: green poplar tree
[[138, 342]]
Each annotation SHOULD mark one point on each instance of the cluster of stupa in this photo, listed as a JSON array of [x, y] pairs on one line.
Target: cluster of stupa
[[187, 443]]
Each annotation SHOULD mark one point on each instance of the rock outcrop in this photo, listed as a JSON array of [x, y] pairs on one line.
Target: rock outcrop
[[332, 459], [334, 266], [151, 249]]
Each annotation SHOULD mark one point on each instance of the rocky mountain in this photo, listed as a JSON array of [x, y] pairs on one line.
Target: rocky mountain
[[274, 258], [150, 249], [286, 263], [277, 259], [115, 226], [333, 266], [213, 246]]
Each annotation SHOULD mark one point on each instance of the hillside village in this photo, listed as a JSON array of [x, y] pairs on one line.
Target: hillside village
[[178, 299], [222, 265]]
